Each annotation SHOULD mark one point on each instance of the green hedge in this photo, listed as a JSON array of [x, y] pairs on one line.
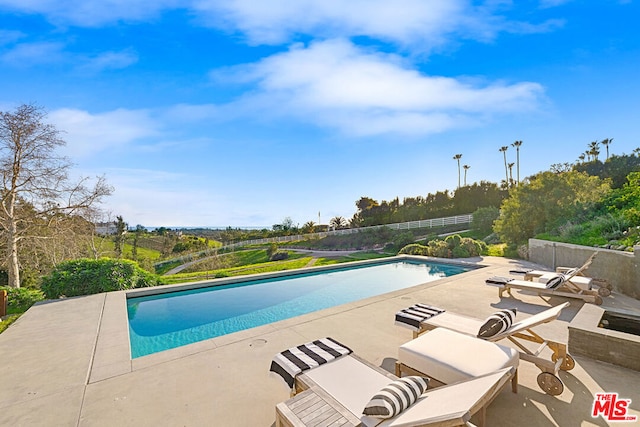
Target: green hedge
[[452, 247], [90, 276], [20, 299]]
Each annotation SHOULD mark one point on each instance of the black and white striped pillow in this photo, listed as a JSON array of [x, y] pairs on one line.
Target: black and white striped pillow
[[555, 281], [497, 323], [396, 397]]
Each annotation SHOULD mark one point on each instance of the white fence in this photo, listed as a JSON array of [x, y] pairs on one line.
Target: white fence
[[425, 223]]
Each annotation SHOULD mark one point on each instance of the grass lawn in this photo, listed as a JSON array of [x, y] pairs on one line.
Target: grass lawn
[[264, 267], [255, 261], [8, 320]]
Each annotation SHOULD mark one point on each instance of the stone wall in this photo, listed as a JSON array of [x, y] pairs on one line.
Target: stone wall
[[621, 269]]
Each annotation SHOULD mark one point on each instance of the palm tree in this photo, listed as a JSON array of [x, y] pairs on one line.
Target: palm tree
[[466, 168], [309, 227], [594, 150], [636, 151], [517, 144], [581, 157], [606, 143], [338, 222], [504, 149], [458, 157]]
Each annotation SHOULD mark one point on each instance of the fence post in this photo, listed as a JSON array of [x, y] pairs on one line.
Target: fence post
[[3, 303]]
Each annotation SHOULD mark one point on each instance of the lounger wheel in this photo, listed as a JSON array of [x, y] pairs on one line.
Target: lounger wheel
[[604, 292], [567, 364], [550, 384], [598, 300]]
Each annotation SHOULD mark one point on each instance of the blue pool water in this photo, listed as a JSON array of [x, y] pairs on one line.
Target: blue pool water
[[163, 321]]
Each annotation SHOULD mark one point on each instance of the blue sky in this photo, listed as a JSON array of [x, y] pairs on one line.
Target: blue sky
[[243, 113]]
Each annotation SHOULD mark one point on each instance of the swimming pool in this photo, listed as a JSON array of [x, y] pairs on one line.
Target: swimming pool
[[168, 320]]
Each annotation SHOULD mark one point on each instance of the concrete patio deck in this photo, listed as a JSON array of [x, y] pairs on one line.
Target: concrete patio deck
[[66, 362]]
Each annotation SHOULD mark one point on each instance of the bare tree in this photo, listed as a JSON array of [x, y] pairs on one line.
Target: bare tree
[[33, 174]]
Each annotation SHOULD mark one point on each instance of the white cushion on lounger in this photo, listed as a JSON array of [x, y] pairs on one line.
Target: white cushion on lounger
[[449, 356], [350, 382], [463, 324], [582, 282]]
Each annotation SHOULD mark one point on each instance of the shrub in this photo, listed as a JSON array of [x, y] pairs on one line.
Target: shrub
[[89, 276], [279, 256], [20, 299], [492, 239], [272, 249], [460, 252], [473, 247], [415, 249], [632, 215], [439, 248], [453, 240], [611, 226], [456, 246], [483, 219], [570, 231], [403, 239]]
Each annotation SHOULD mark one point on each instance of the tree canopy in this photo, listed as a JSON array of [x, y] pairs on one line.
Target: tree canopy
[[464, 200], [547, 200]]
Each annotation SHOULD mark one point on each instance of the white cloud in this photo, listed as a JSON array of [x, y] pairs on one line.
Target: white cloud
[[337, 84], [91, 13], [416, 24], [276, 21], [89, 134], [28, 54], [110, 61], [165, 198]]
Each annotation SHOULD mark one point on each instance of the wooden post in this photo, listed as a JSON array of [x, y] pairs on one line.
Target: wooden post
[[3, 303]]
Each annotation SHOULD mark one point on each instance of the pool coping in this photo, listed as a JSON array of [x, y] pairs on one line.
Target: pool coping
[[112, 355]]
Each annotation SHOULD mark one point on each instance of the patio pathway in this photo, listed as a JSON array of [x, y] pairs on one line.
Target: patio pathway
[[66, 362]]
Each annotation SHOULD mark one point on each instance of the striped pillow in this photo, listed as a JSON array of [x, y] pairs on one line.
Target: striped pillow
[[396, 397], [556, 281], [497, 323]]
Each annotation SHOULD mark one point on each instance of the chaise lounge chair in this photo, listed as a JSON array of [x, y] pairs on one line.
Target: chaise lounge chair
[[517, 333], [336, 393], [579, 280], [559, 285]]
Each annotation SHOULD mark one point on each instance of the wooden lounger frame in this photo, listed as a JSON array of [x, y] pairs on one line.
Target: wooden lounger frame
[[477, 413], [568, 289], [560, 358]]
